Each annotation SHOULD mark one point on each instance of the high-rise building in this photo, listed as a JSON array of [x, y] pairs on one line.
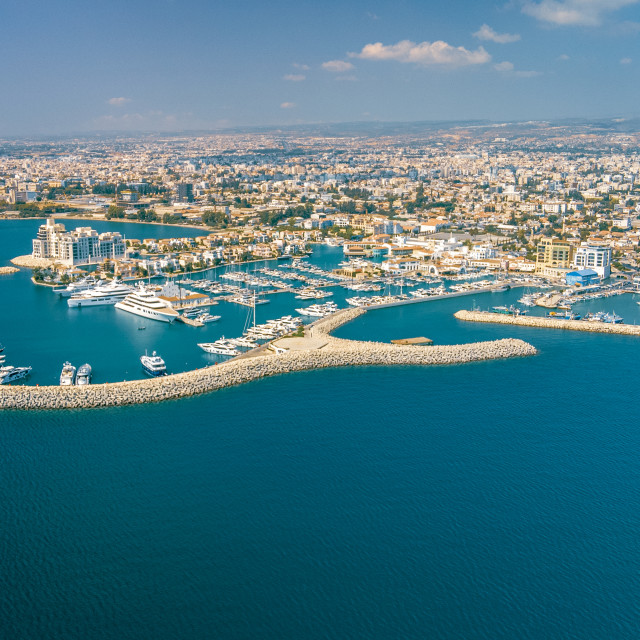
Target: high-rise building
[[594, 257], [81, 246], [185, 192]]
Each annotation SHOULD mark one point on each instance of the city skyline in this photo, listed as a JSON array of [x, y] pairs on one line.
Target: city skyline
[[170, 67]]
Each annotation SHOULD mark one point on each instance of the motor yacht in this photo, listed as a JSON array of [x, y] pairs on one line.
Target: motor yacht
[[67, 375], [145, 303], [153, 365]]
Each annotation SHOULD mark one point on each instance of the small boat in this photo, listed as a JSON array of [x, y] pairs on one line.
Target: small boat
[[141, 328], [83, 376], [207, 317], [67, 375], [153, 365]]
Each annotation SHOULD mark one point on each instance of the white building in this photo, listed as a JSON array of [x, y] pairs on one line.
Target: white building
[[81, 246], [593, 257]]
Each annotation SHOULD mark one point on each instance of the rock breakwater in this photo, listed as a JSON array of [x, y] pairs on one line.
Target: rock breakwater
[[335, 352], [548, 323]]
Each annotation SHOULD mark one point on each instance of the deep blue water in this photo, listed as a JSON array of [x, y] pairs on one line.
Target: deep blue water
[[489, 500]]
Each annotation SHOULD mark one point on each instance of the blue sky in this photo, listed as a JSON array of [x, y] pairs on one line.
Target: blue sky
[[166, 65]]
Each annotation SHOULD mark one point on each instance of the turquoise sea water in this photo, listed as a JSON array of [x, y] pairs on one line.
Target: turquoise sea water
[[489, 500]]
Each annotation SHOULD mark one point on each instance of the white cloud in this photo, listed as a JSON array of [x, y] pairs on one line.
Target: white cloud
[[295, 77], [337, 66], [288, 105], [625, 61], [424, 53], [509, 68], [503, 66], [564, 57], [586, 13], [485, 32], [118, 102], [302, 67]]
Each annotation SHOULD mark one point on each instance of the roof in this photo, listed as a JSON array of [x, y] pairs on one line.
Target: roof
[[583, 273]]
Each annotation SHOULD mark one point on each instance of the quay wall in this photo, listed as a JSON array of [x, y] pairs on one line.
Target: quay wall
[[336, 353], [548, 323]]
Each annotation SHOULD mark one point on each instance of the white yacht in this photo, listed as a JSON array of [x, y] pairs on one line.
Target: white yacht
[[84, 375], [248, 301], [109, 293], [207, 317], [67, 375], [221, 347], [145, 303], [84, 284], [11, 374], [154, 365], [318, 310]]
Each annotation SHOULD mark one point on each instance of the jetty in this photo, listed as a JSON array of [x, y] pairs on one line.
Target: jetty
[[413, 341], [316, 350], [548, 323]]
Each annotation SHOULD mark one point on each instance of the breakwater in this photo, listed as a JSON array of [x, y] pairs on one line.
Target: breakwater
[[31, 262], [548, 323], [334, 352], [7, 270]]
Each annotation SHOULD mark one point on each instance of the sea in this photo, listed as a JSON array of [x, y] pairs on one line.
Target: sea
[[491, 500]]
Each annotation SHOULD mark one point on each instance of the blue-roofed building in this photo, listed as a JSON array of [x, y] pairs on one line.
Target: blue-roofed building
[[582, 278]]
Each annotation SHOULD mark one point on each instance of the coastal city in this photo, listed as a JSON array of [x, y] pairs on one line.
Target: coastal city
[[320, 320], [453, 212]]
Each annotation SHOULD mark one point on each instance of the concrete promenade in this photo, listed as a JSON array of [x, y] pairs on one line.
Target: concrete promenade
[[548, 323], [322, 350]]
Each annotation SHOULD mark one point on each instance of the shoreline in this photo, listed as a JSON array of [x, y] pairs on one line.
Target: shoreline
[[318, 350]]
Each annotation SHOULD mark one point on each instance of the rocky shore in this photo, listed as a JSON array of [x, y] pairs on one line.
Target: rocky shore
[[31, 262], [335, 352], [7, 270], [548, 323]]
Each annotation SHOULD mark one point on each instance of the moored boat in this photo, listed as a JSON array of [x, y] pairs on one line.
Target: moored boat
[[67, 375], [145, 303], [83, 376], [153, 365], [10, 374]]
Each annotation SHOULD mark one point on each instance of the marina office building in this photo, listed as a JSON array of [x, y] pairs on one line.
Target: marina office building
[[594, 257], [83, 245]]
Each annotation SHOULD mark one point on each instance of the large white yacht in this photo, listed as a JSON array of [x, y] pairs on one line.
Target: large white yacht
[[84, 284], [145, 303], [221, 347], [11, 374], [109, 293]]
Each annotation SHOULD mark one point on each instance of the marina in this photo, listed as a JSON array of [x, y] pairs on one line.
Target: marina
[[179, 342]]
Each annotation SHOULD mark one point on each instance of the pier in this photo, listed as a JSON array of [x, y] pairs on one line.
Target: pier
[[548, 323], [317, 350]]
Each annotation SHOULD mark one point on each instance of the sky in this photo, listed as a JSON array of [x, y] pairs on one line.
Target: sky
[[74, 66]]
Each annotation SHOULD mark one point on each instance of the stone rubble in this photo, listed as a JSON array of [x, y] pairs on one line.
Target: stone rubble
[[548, 323]]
